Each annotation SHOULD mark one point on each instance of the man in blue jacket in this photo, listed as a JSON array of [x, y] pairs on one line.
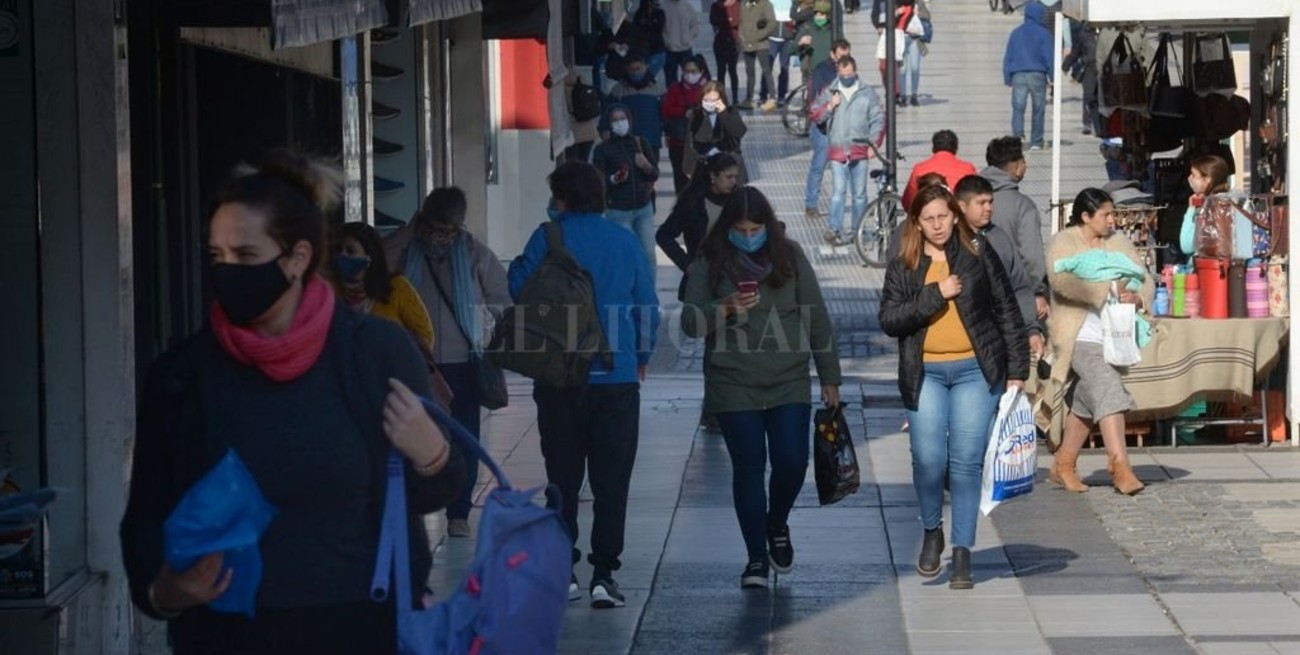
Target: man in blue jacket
[[1027, 69], [593, 430]]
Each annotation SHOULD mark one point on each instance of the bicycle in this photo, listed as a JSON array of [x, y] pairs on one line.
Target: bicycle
[[876, 231], [795, 115]]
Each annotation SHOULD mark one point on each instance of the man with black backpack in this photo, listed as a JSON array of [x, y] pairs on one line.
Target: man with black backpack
[[587, 278]]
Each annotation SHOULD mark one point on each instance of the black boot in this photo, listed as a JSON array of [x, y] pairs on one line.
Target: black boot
[[931, 551], [960, 578]]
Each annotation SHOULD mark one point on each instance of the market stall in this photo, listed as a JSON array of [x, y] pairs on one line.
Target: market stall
[[1209, 354]]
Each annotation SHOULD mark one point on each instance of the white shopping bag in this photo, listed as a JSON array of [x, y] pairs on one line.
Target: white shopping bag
[[1012, 454], [1119, 332]]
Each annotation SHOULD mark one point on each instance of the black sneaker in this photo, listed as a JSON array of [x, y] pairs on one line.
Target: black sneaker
[[379, 36], [384, 71], [383, 147], [382, 111], [755, 575], [384, 220], [780, 552], [575, 592], [604, 593]]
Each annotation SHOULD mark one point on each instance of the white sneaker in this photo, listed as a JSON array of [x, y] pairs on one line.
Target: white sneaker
[[575, 592]]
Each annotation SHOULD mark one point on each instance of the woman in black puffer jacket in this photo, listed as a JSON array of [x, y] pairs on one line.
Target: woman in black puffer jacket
[[961, 340]]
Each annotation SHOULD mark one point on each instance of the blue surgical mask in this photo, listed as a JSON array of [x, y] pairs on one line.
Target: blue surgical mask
[[748, 243], [636, 77], [620, 127], [552, 212], [350, 268], [848, 81]]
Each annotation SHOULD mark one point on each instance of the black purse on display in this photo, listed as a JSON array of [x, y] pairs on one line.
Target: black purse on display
[[1165, 99], [1212, 67], [1123, 82]]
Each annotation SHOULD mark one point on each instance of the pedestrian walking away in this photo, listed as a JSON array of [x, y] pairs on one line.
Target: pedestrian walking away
[[463, 284], [853, 118], [629, 167], [681, 30], [754, 297], [590, 433], [961, 340], [822, 76], [902, 14], [1095, 395], [680, 99], [313, 397], [724, 16], [713, 127], [944, 161], [1027, 67], [757, 24]]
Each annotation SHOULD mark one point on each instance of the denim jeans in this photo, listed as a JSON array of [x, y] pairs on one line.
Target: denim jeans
[[673, 65], [817, 169], [591, 432], [642, 223], [780, 434], [851, 177], [1032, 86], [949, 432], [465, 409], [911, 66], [655, 63]]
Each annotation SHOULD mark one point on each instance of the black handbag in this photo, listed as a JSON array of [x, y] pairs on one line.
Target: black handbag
[[489, 379], [1123, 82], [1212, 67], [1165, 99]]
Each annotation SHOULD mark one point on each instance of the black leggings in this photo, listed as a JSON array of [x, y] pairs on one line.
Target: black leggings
[[729, 66]]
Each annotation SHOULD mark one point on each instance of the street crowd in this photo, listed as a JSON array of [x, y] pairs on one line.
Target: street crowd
[[302, 314]]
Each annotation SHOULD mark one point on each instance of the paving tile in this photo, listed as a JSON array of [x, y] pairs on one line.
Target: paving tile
[[1235, 614], [1126, 645], [1101, 615]]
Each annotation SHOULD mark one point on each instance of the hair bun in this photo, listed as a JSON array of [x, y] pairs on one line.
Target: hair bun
[[322, 183]]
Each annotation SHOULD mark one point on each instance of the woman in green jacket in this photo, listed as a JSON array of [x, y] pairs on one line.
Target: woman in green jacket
[[754, 297]]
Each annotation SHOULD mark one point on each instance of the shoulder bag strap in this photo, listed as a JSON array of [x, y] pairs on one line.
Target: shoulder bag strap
[[446, 299]]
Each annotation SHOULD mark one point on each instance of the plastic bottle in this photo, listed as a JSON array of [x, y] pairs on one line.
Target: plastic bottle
[[1192, 296], [1161, 304], [1179, 299]]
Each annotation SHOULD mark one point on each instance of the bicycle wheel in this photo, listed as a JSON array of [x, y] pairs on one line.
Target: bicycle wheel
[[876, 230], [795, 115]]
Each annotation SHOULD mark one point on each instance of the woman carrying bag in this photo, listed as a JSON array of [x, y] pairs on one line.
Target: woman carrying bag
[[712, 127], [464, 287], [753, 296], [961, 340], [1097, 397]]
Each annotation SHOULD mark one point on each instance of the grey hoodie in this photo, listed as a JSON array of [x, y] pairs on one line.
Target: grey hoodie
[[1014, 212], [1005, 248]]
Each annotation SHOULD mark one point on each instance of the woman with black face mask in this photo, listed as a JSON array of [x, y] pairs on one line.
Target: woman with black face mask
[[313, 398], [363, 281]]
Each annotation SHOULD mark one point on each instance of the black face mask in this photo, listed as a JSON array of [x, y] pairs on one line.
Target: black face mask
[[248, 291]]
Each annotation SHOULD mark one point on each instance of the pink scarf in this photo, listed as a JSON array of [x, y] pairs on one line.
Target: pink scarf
[[286, 357]]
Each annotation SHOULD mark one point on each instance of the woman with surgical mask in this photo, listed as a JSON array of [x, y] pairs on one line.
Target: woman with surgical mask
[[313, 398], [630, 167], [754, 298], [713, 127], [363, 281], [682, 96]]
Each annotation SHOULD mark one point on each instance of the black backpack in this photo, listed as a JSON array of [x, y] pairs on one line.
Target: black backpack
[[553, 332], [585, 100]]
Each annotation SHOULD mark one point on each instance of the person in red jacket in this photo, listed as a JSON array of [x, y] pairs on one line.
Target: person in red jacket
[[944, 161], [681, 97]]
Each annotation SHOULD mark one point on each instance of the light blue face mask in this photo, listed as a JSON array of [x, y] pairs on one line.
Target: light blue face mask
[[748, 243], [552, 212]]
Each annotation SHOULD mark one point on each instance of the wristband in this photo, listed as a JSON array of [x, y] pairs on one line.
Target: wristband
[[438, 462]]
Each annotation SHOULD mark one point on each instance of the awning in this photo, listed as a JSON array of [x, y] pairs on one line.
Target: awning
[[425, 11], [515, 19], [1185, 15], [293, 23]]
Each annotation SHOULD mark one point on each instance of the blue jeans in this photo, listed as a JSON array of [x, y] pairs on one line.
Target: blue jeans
[[673, 65], [850, 177], [642, 223], [781, 434], [1032, 86], [821, 149], [776, 53], [465, 409], [949, 432], [911, 66], [655, 63]]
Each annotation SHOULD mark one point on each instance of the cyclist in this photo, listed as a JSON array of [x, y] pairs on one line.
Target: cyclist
[[851, 112], [823, 75]]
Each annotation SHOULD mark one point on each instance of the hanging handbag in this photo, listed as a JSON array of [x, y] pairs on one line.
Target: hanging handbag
[[1123, 82], [437, 383], [1212, 67], [489, 379], [1165, 99]]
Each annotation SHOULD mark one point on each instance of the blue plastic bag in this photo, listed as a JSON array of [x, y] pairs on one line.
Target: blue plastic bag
[[223, 512]]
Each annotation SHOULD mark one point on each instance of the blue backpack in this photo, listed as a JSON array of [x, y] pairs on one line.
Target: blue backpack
[[513, 597], [927, 28]]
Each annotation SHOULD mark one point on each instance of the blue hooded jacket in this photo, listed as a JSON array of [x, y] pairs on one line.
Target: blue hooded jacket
[[625, 291], [1029, 49]]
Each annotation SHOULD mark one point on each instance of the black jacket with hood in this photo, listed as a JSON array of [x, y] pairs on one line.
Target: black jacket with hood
[[987, 308], [619, 153]]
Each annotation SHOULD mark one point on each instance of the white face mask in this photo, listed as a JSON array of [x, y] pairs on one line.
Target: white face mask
[[620, 127], [621, 50], [693, 78], [710, 106]]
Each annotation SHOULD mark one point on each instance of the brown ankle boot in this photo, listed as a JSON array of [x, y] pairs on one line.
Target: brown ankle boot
[[1065, 472], [1124, 480]]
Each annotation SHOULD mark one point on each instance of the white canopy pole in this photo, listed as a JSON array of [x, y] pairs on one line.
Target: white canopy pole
[[1293, 193], [1058, 38]]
